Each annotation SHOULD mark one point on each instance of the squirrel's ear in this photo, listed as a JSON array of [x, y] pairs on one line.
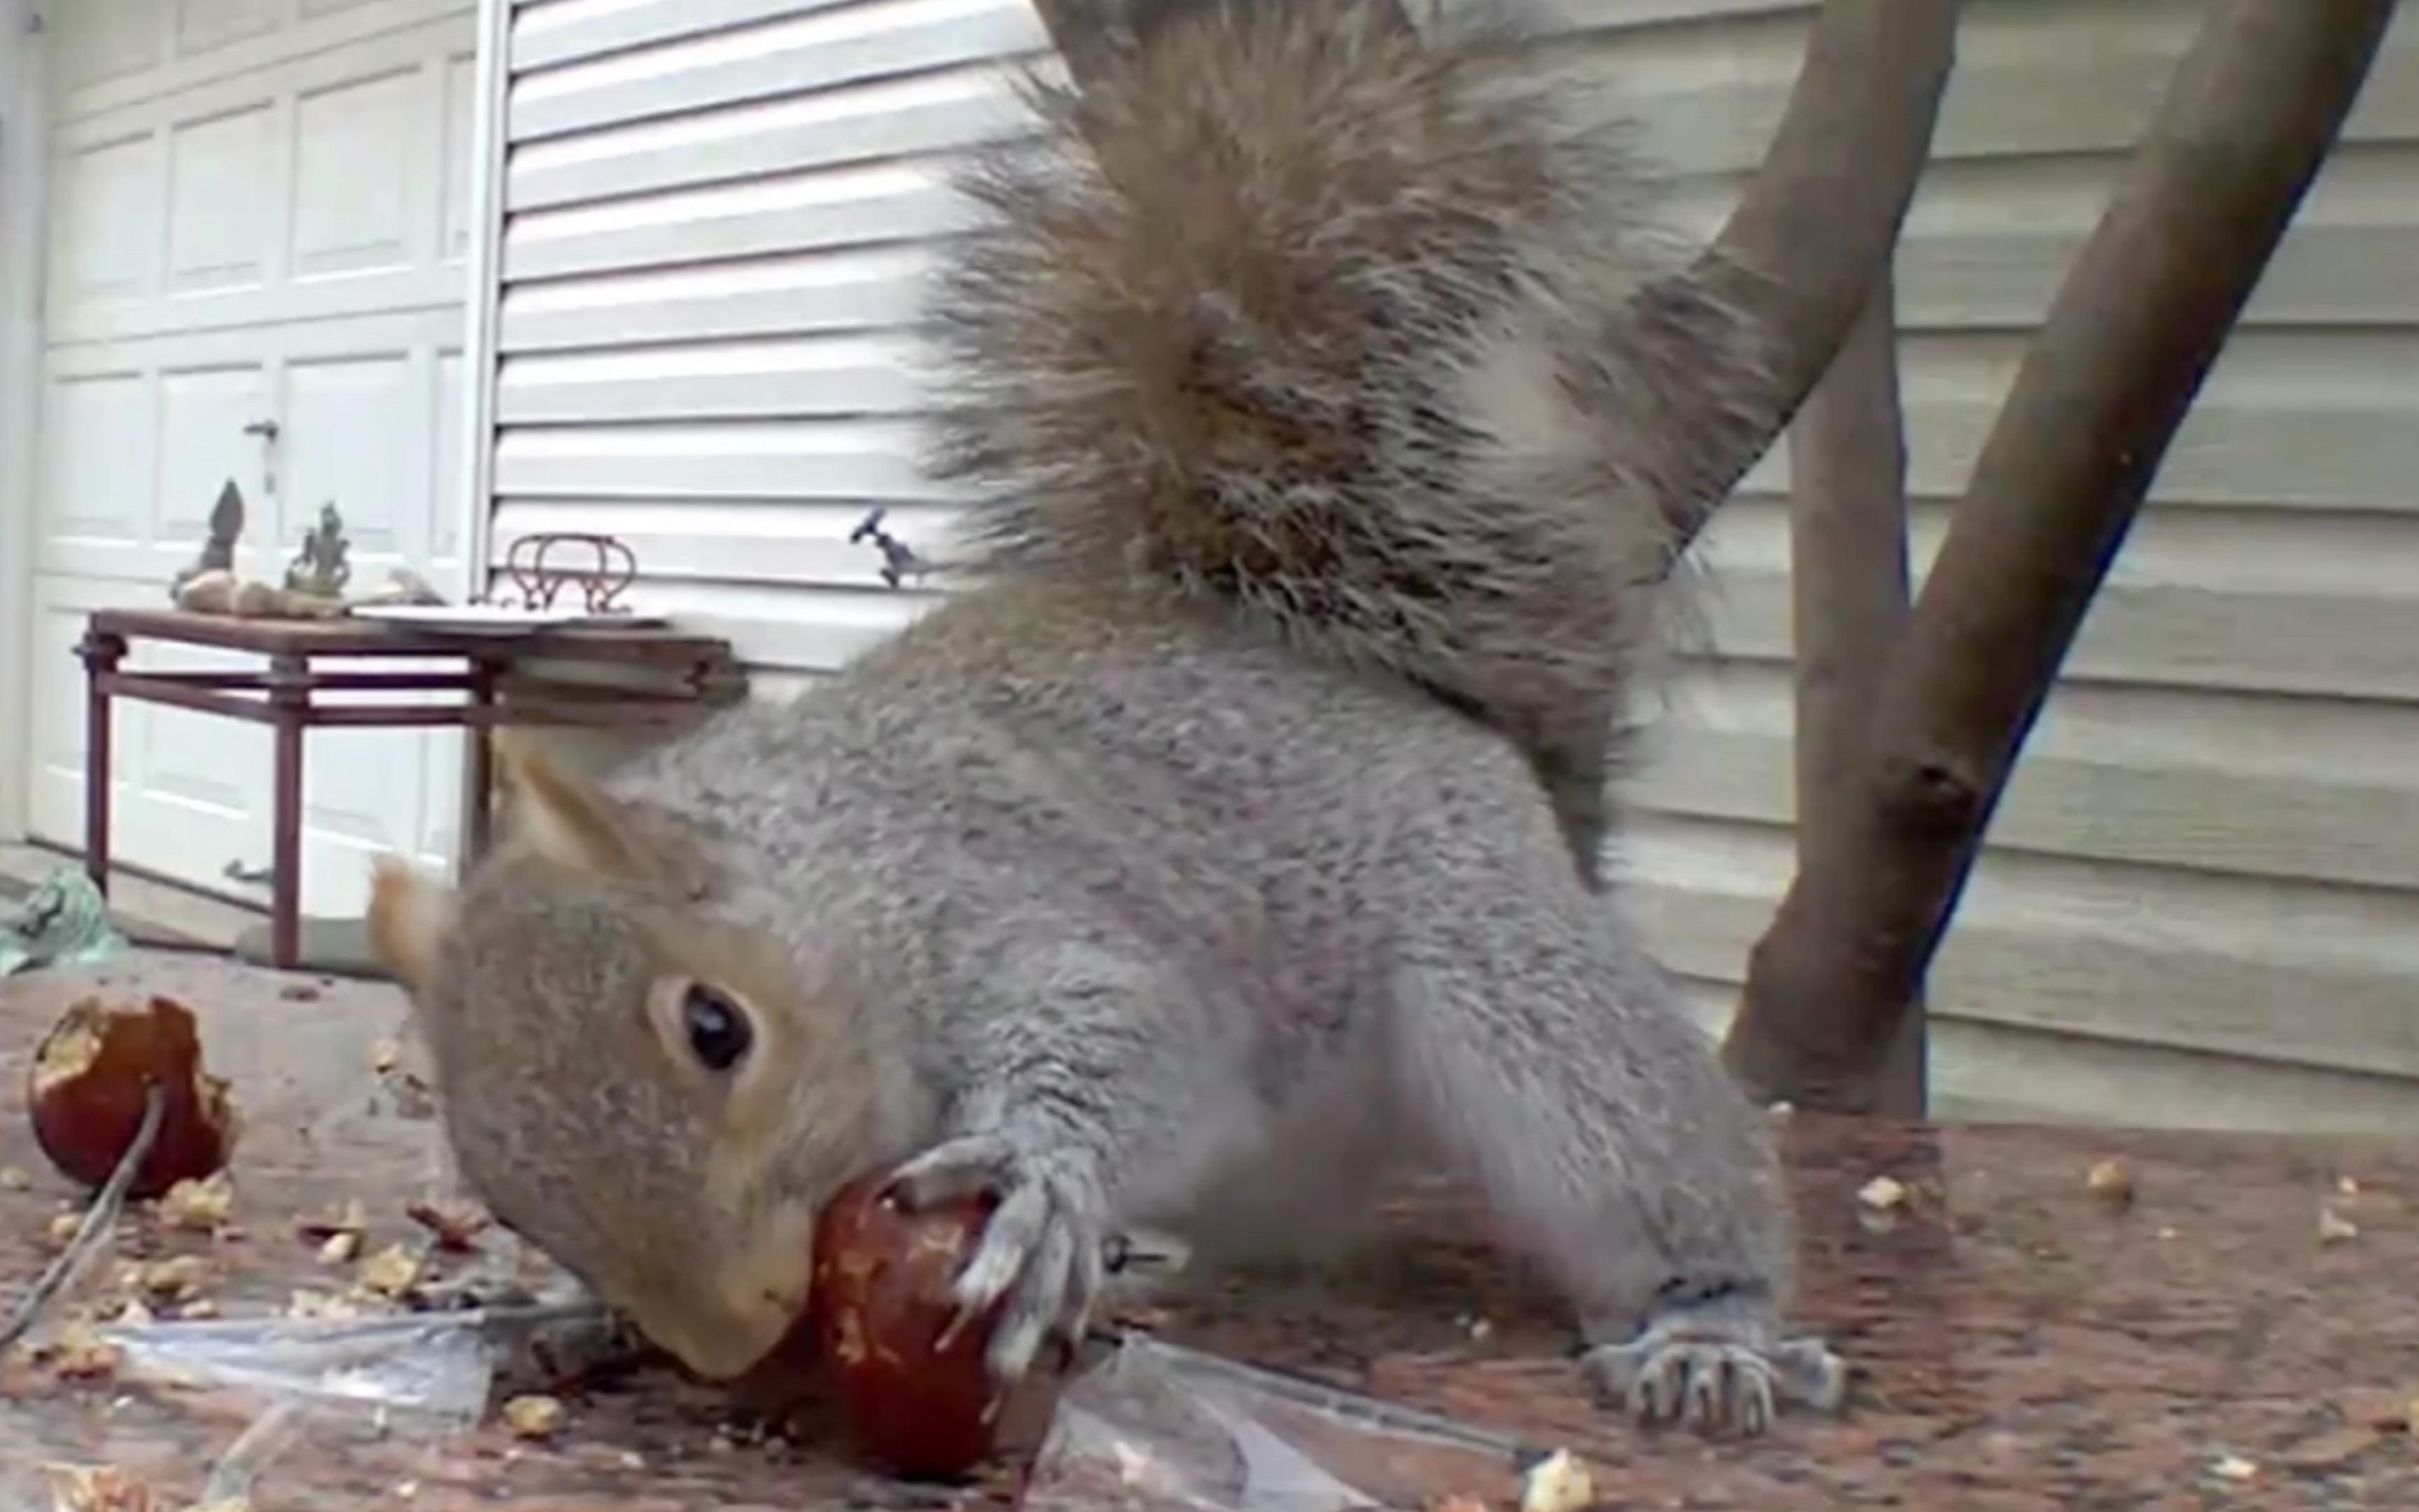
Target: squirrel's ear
[[411, 914], [561, 816]]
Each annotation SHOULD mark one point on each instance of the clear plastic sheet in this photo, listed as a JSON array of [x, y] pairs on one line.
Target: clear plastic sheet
[[419, 1376], [430, 1370], [1159, 1426]]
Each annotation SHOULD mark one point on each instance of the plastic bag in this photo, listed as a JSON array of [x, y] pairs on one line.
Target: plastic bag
[[63, 922], [1157, 1425], [431, 1370], [296, 1380], [418, 1376]]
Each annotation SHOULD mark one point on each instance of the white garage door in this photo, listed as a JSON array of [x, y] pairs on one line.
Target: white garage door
[[258, 212]]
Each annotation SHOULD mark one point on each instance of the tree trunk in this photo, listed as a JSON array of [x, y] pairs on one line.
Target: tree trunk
[[1849, 607], [2134, 327]]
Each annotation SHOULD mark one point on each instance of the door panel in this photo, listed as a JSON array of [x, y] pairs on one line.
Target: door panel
[[218, 172], [255, 214]]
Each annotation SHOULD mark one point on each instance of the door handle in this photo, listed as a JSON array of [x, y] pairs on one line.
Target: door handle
[[256, 876], [267, 429]]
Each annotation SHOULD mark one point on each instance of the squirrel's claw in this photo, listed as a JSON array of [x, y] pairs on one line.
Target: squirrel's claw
[[1716, 1371], [1042, 1248]]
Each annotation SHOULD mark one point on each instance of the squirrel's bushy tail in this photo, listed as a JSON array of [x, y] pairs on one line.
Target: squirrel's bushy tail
[[1360, 332]]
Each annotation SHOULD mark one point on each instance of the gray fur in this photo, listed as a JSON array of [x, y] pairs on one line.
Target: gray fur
[[1369, 340], [1136, 883]]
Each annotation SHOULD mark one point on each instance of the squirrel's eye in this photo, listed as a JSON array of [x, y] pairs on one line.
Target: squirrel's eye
[[718, 1030]]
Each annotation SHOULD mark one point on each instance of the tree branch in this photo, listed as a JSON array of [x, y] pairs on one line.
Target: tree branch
[[1797, 254], [1799, 251], [2139, 319], [1849, 603]]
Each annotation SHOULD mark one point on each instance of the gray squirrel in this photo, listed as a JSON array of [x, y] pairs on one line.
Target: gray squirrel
[[1230, 841]]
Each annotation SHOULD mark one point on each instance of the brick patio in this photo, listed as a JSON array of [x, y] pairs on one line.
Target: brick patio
[[2027, 1345]]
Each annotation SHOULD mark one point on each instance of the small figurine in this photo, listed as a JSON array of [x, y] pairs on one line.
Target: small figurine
[[900, 561], [320, 570], [218, 552]]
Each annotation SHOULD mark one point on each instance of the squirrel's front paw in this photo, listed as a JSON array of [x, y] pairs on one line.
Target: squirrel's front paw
[[1041, 1249], [1717, 1368]]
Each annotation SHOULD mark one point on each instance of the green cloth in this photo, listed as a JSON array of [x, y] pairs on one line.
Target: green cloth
[[63, 922]]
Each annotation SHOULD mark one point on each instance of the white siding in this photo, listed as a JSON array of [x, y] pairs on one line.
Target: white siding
[[714, 216], [2201, 903]]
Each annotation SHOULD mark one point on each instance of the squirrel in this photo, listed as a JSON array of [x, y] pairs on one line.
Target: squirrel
[[1212, 855]]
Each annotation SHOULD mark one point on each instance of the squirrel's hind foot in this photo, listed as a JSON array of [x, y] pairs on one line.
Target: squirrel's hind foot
[[1717, 1374]]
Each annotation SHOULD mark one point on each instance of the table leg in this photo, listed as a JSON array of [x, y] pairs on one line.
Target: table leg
[[100, 654], [478, 769], [289, 696]]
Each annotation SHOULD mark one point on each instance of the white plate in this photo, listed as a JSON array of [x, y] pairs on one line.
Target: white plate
[[494, 619]]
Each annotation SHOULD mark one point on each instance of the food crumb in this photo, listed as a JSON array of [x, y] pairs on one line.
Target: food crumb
[[1558, 1483], [392, 1272], [80, 1354], [455, 1225], [202, 1205], [341, 1247], [179, 1278], [2334, 1228], [320, 1304], [1884, 1193], [97, 1489], [533, 1416], [2111, 1181], [317, 1227], [13, 1179]]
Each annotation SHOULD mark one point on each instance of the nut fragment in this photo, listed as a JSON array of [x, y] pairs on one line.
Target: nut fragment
[[341, 1247], [1884, 1193], [176, 1278], [319, 1227], [385, 1054], [2333, 1229], [2234, 1467], [62, 1226], [2111, 1181], [392, 1272], [320, 1304], [13, 1179], [202, 1205], [97, 1489], [90, 1082], [1558, 1483], [80, 1354], [533, 1416], [455, 1225]]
